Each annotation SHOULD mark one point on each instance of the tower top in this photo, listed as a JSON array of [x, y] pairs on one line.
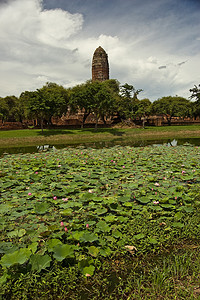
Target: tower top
[[100, 66]]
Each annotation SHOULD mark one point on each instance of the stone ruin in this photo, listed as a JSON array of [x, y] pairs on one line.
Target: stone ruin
[[100, 66]]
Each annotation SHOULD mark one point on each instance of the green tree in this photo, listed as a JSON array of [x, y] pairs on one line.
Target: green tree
[[81, 99], [24, 106], [51, 100], [8, 109], [172, 107], [195, 92], [195, 105], [127, 103], [4, 110], [143, 110], [94, 97]]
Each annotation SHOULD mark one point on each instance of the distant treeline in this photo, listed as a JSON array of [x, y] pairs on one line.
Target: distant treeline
[[104, 100]]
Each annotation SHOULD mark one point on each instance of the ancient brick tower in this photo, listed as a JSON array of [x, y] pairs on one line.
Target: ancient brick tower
[[100, 66]]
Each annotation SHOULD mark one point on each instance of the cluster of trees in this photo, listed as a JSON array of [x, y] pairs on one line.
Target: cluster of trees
[[102, 99]]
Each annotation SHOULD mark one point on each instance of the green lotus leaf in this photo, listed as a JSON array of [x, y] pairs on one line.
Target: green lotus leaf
[[178, 225], [67, 212], [33, 247], [41, 207], [143, 200], [152, 241], [110, 218], [88, 237], [93, 251], [188, 209], [110, 238], [52, 243], [100, 211], [105, 252], [139, 236], [117, 234], [61, 252], [18, 233], [86, 266], [168, 206], [39, 262], [103, 226], [18, 257]]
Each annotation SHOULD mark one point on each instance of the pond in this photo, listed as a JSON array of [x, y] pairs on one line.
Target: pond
[[98, 145]]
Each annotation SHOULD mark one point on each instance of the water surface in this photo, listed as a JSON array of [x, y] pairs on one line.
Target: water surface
[[97, 145]]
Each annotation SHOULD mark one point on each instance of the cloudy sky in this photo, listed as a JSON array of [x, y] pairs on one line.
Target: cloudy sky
[[151, 44]]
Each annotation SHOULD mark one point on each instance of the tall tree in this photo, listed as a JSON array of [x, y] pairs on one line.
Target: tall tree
[[8, 108], [172, 107], [4, 110], [94, 97], [127, 103], [51, 100], [195, 105]]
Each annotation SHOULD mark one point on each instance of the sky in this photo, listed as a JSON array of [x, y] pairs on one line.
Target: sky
[[151, 44]]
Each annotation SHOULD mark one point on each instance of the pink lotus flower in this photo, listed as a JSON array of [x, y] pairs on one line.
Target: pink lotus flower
[[123, 167], [36, 173], [54, 198], [87, 226], [155, 202], [157, 184], [61, 224], [155, 193], [29, 194], [65, 199], [66, 229], [90, 191], [183, 172]]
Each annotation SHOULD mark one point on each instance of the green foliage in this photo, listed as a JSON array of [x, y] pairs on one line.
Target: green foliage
[[127, 104], [172, 107], [39, 262], [51, 100], [96, 97], [85, 205], [17, 257], [195, 105], [9, 109]]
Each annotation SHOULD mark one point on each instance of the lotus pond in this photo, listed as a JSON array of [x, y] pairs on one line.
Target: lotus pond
[[77, 207]]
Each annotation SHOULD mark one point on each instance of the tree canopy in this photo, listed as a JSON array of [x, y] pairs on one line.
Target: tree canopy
[[172, 107]]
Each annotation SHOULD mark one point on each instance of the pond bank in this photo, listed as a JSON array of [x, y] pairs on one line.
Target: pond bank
[[35, 137]]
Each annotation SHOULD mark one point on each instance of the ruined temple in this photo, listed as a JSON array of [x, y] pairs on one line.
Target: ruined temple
[[100, 66]]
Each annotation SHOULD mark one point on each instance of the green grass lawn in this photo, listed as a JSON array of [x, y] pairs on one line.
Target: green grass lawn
[[29, 137]]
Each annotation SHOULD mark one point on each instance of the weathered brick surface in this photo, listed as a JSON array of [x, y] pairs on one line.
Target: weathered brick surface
[[100, 66]]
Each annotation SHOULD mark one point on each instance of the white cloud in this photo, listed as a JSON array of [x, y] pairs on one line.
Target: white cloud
[[55, 45], [34, 44]]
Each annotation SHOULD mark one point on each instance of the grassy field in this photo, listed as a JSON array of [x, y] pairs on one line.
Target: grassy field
[[32, 137], [120, 223]]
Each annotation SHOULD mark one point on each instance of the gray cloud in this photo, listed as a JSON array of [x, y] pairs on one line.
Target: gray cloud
[[55, 40]]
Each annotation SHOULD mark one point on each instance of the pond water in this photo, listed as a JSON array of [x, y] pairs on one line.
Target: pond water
[[97, 145]]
